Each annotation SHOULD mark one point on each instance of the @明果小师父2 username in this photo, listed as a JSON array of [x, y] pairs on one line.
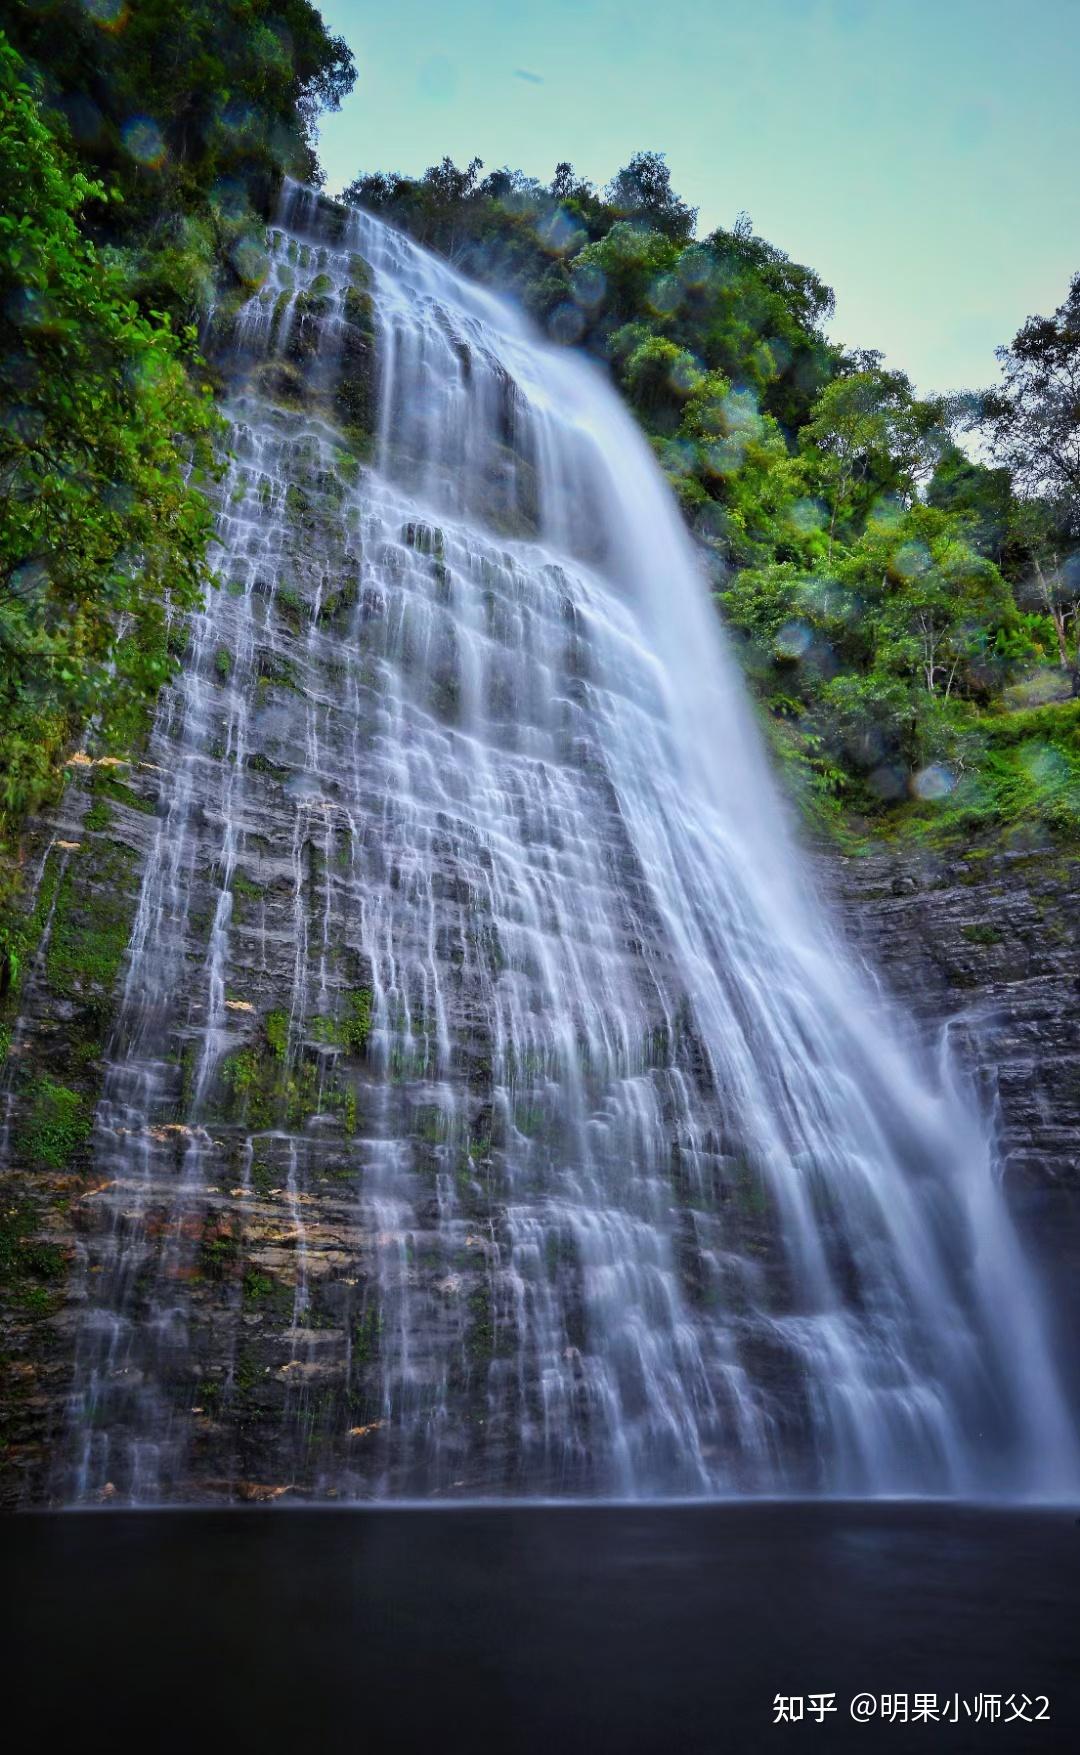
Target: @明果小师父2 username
[[911, 1708]]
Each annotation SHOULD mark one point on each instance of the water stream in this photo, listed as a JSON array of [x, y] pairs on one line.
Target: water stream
[[490, 1105]]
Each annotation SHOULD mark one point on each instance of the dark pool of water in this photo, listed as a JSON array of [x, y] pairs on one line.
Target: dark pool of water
[[545, 1629]]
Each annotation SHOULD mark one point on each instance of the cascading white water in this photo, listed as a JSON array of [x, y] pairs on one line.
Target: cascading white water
[[647, 1193]]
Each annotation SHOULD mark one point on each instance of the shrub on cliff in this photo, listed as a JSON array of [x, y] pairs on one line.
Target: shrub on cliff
[[103, 442]]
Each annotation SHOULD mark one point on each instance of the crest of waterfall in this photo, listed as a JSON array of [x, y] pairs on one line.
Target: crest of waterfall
[[489, 1105]]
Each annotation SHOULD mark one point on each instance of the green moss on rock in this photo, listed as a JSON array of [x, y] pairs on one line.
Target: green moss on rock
[[91, 927], [356, 1024], [56, 1122], [106, 785], [276, 1025]]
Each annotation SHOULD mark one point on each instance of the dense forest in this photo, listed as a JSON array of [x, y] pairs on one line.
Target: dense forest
[[907, 615]]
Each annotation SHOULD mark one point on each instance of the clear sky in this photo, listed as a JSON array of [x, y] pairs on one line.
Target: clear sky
[[922, 155]]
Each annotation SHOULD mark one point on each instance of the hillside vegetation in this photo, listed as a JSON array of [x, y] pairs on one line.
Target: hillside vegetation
[[140, 154], [892, 599], [907, 617]]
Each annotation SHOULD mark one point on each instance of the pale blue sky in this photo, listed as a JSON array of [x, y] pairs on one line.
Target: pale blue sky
[[922, 155]]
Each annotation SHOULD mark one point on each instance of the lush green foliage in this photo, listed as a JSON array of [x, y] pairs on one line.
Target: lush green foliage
[[192, 110], [1032, 416], [140, 148], [99, 519], [885, 590]]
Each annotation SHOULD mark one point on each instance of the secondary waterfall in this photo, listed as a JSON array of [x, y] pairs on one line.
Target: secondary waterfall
[[490, 1107]]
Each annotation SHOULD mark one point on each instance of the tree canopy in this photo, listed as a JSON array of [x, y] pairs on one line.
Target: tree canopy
[[1032, 419], [885, 588], [192, 110], [99, 518], [140, 150]]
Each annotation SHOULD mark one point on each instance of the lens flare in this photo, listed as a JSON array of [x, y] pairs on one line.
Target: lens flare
[[144, 141], [31, 576], [83, 117], [890, 781], [807, 515], [1043, 764], [26, 308], [741, 412], [110, 15], [793, 639], [665, 295], [22, 422], [680, 457], [780, 351], [911, 560], [726, 456], [240, 118], [437, 79], [230, 198], [695, 270], [119, 498], [588, 285], [685, 374], [566, 324], [562, 233], [885, 513], [933, 782], [250, 260]]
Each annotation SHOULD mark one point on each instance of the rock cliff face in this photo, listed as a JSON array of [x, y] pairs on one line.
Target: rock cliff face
[[990, 943], [173, 896], [354, 1065], [986, 944]]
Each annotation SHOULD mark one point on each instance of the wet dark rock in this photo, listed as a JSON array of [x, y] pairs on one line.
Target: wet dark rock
[[990, 948], [294, 1147]]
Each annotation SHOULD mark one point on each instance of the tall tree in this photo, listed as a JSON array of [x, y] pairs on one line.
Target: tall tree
[[874, 436], [642, 192], [981, 495], [1047, 542], [1032, 419], [204, 88]]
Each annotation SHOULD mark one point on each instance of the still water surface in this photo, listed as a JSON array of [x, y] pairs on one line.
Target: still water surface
[[556, 1629]]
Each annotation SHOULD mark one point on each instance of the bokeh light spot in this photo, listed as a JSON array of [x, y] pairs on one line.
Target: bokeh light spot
[[144, 141], [588, 284], [562, 234], [793, 639], [26, 308], [566, 324], [111, 15], [911, 559], [437, 79], [665, 295], [250, 261], [932, 782], [807, 515], [890, 781], [83, 117], [1043, 764]]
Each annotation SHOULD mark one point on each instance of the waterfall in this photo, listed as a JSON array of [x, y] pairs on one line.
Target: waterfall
[[490, 1105]]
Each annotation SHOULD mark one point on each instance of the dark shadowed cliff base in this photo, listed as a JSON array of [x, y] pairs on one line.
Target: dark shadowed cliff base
[[983, 944], [629, 1629]]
